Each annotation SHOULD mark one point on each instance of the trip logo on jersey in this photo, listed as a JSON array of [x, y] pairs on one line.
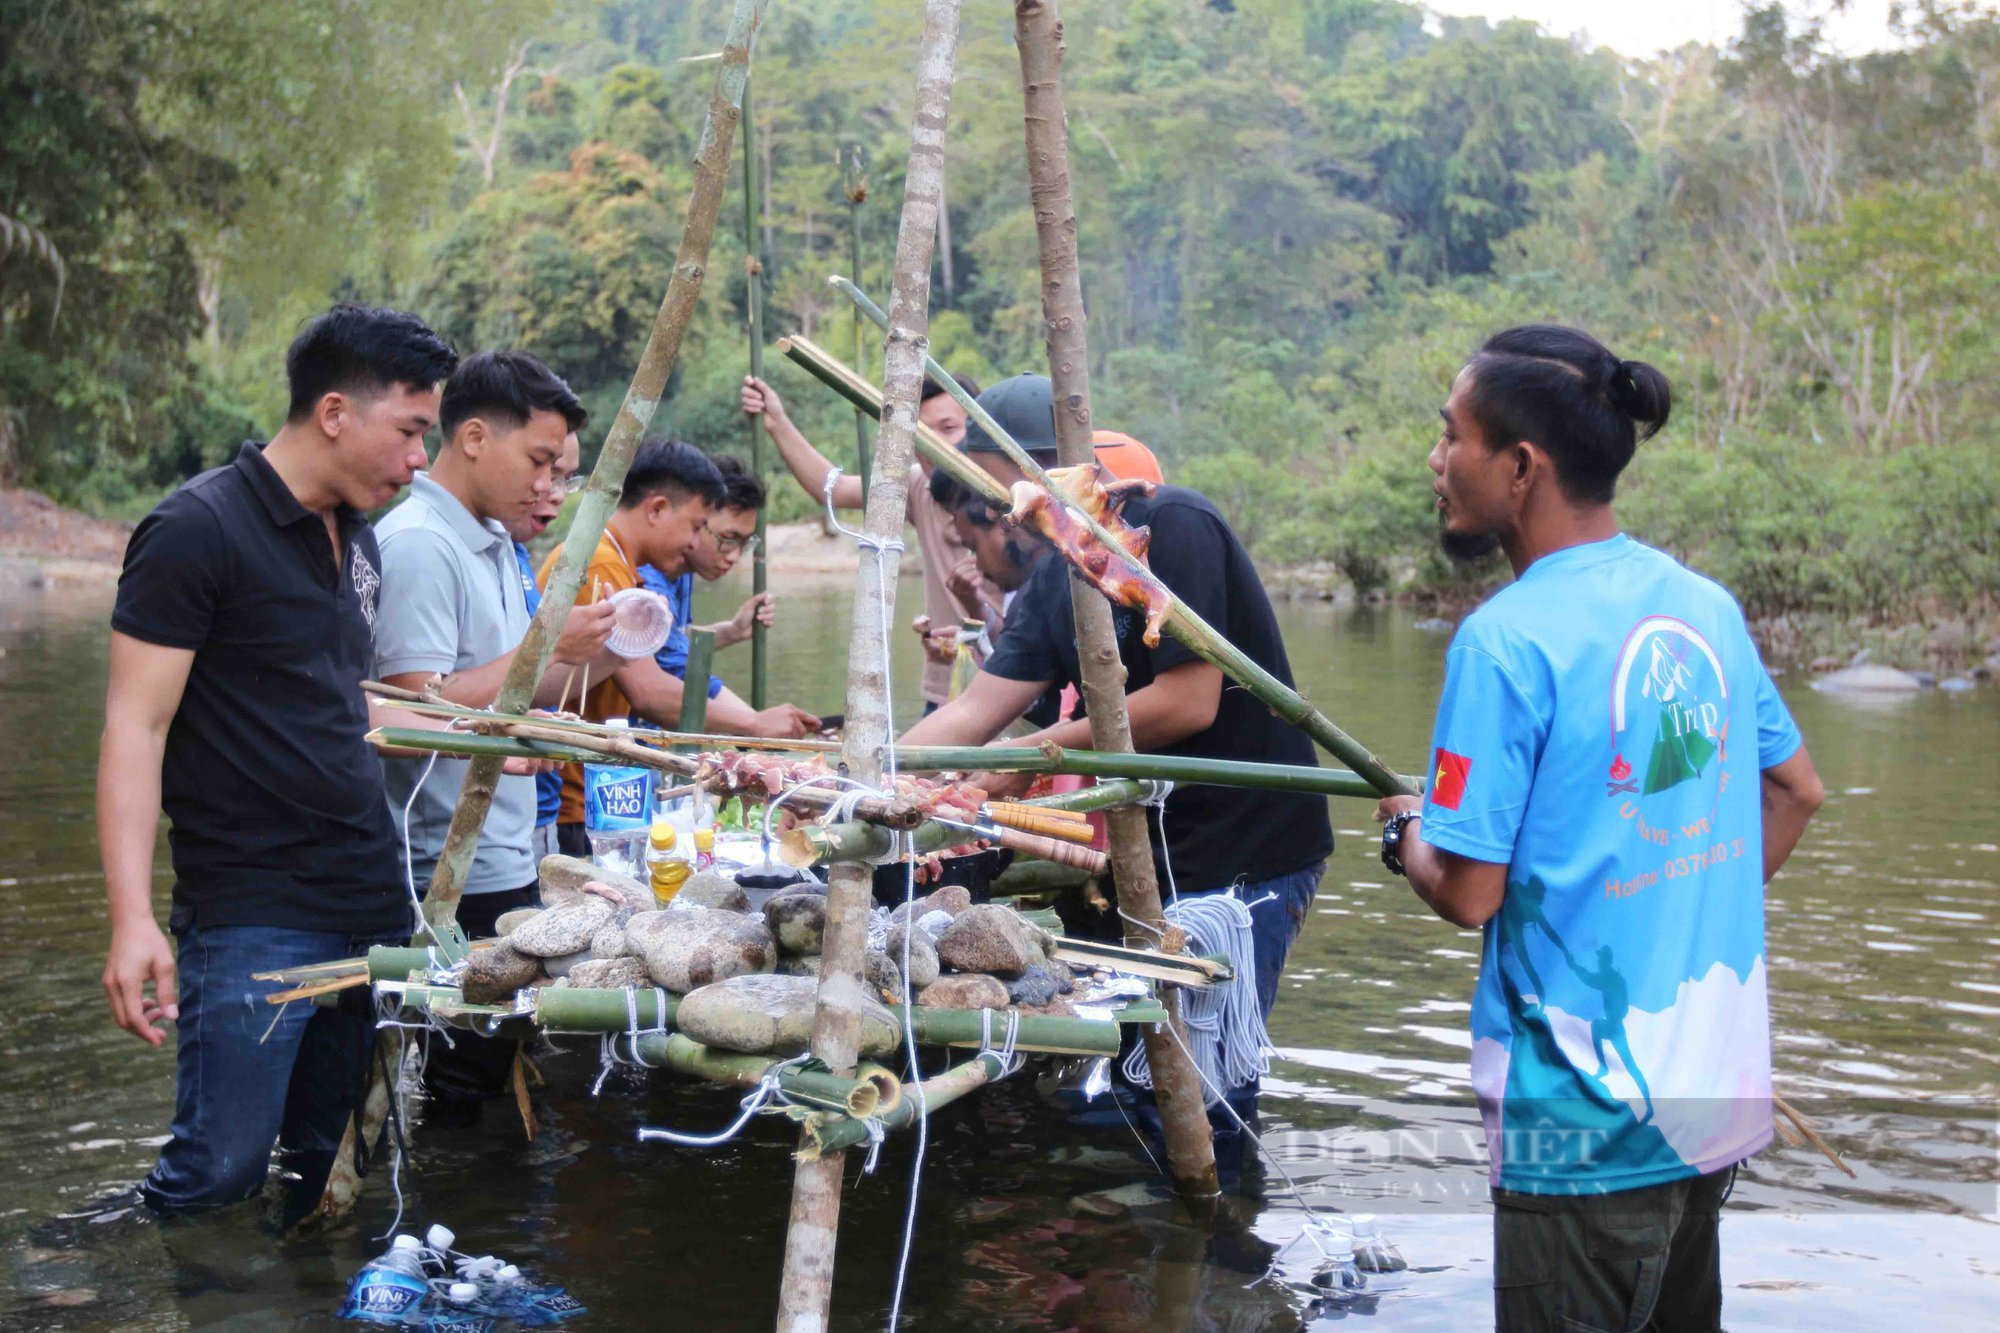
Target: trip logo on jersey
[[1669, 709]]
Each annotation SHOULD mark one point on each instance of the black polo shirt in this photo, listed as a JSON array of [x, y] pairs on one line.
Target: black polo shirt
[[1215, 835], [276, 800]]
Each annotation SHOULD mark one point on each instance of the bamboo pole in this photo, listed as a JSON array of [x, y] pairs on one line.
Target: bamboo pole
[[816, 361], [807, 1286], [607, 478], [700, 665], [894, 814], [921, 758], [831, 844], [815, 1087], [1182, 622], [854, 184], [600, 496], [1176, 1083], [830, 1136], [753, 299]]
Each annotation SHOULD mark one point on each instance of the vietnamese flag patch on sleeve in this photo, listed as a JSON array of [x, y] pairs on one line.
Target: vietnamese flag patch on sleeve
[[1448, 774]]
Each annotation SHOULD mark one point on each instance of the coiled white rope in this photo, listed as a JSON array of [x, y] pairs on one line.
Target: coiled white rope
[[1228, 1041]]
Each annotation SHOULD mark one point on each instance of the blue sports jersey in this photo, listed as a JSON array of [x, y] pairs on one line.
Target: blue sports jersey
[[1603, 725], [673, 655], [548, 786]]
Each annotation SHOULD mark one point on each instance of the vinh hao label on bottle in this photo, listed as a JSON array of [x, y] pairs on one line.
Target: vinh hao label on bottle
[[617, 798]]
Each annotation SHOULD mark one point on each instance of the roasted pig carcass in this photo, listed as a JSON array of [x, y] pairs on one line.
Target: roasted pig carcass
[[1126, 581]]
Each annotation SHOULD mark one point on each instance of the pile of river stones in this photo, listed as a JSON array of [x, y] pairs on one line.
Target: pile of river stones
[[749, 979]]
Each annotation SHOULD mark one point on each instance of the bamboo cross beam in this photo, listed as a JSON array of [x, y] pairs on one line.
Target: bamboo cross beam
[[532, 740], [836, 844], [1182, 622], [828, 370], [897, 813], [487, 718]]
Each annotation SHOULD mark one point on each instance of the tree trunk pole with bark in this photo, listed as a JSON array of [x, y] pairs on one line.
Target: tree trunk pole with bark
[[600, 497], [807, 1287], [1183, 1109]]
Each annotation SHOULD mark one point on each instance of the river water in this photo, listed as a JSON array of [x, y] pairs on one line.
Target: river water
[[1885, 973]]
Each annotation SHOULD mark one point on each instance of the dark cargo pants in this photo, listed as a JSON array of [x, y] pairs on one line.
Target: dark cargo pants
[[1634, 1261]]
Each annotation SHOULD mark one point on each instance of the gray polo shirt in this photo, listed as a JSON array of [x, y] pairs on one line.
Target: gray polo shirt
[[451, 599]]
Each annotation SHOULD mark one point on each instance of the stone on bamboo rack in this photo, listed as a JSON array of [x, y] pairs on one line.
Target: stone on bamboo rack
[[917, 949], [951, 900], [610, 973], [563, 878], [773, 1015], [493, 975], [797, 917], [964, 990], [563, 930], [507, 922], [992, 939], [709, 889], [691, 947]]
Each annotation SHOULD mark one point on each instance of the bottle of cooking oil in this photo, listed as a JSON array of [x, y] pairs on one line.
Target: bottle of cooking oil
[[668, 861]]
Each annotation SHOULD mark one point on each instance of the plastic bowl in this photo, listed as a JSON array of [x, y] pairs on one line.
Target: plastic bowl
[[643, 622]]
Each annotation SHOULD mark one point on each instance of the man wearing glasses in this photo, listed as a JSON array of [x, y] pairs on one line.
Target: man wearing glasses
[[731, 535]]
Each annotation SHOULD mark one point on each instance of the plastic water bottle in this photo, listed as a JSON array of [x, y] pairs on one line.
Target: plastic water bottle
[[390, 1289], [1372, 1251], [1338, 1276], [617, 806]]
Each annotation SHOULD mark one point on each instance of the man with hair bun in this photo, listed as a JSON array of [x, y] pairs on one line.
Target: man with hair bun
[[1613, 779]]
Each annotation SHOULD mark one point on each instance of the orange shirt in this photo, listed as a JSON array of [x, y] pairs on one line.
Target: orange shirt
[[609, 571]]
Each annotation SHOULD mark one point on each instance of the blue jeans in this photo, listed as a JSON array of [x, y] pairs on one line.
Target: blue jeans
[[1275, 924], [249, 1074]]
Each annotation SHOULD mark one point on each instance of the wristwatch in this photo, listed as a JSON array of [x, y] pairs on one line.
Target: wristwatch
[[1392, 839]]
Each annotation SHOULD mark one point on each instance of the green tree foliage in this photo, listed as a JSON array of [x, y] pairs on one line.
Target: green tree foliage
[[1298, 218]]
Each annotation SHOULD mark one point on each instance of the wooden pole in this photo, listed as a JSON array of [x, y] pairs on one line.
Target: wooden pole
[[854, 183], [753, 299], [1176, 1083], [807, 1286], [600, 497]]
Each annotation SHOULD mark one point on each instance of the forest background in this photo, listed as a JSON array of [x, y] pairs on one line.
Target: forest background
[[1298, 218]]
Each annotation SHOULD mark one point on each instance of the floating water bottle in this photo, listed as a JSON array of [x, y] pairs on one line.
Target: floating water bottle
[[1339, 1276], [1372, 1251], [389, 1289], [617, 806]]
